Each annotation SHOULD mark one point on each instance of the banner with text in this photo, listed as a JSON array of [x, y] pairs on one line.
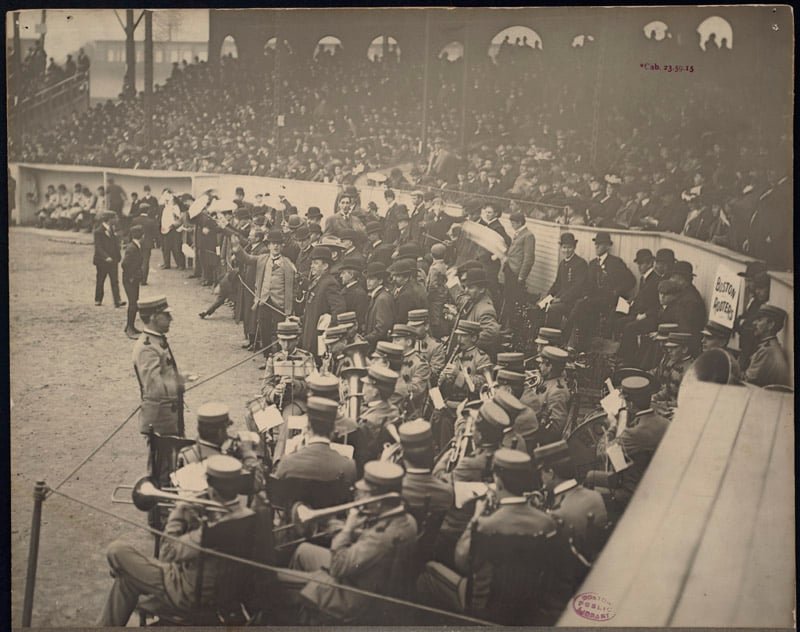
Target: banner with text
[[725, 296]]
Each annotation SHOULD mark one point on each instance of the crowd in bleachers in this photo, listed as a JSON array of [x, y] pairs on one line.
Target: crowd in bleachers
[[551, 144], [37, 72]]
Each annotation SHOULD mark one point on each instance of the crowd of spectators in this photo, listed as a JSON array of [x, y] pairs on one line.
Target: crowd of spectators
[[38, 72], [559, 146]]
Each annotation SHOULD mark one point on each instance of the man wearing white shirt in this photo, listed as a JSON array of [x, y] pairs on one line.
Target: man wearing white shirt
[[170, 237]]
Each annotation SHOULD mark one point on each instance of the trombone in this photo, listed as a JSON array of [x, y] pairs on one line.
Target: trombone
[[145, 496]]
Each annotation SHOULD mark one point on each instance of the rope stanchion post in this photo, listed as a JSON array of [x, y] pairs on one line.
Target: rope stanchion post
[[39, 494]]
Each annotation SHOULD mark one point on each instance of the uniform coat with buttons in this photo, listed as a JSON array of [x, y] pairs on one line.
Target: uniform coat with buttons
[[768, 364], [317, 461], [160, 383], [550, 401], [483, 312], [573, 503]]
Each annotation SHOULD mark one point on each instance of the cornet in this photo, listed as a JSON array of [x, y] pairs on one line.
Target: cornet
[[533, 378]]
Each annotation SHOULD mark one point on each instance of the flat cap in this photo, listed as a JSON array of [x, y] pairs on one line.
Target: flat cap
[[715, 330], [322, 408], [212, 413], [469, 327], [677, 338], [153, 305], [554, 354], [288, 329], [223, 466], [551, 453], [389, 349], [493, 414], [418, 316], [514, 460], [512, 377], [404, 331], [323, 383], [321, 253], [415, 433], [346, 318], [382, 475], [381, 375], [665, 255], [643, 254], [376, 269]]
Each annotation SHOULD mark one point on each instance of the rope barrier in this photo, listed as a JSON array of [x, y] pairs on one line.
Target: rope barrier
[[135, 410], [278, 569]]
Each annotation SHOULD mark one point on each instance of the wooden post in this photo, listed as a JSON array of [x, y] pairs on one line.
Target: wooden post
[[39, 494]]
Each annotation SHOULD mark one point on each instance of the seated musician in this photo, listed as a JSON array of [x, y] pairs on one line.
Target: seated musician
[[481, 310], [524, 424], [680, 359], [351, 335], [361, 553], [638, 441], [420, 488], [415, 371], [660, 360], [277, 375], [335, 343], [768, 364], [172, 578], [429, 348], [491, 424], [378, 412], [317, 460], [390, 355], [507, 512], [549, 400], [547, 336], [565, 498], [463, 376]]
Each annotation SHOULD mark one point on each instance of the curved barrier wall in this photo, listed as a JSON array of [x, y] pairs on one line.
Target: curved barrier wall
[[704, 257]]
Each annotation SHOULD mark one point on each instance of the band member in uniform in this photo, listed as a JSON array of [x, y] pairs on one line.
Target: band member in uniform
[[324, 296], [481, 310], [570, 282], [524, 424], [379, 412], [421, 490], [415, 371], [680, 359], [409, 293], [380, 316], [565, 498], [508, 512], [550, 399], [430, 349], [316, 459], [355, 296], [172, 578], [638, 442], [715, 336], [662, 360], [362, 552], [768, 364], [463, 377], [275, 385], [345, 429]]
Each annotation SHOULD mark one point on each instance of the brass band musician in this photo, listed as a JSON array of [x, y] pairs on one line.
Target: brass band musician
[[429, 348], [276, 381], [549, 400], [415, 371]]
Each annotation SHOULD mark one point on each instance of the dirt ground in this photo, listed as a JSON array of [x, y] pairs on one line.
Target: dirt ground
[[72, 384]]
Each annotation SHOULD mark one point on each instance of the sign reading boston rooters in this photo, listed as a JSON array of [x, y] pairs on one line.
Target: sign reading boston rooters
[[725, 296]]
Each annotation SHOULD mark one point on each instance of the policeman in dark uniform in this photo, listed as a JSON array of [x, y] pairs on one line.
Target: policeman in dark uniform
[[768, 364], [565, 498], [550, 399], [507, 512]]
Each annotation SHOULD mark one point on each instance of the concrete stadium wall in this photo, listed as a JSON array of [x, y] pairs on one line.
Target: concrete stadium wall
[[704, 257]]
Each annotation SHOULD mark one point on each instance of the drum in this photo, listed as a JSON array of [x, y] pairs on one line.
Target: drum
[[582, 441]]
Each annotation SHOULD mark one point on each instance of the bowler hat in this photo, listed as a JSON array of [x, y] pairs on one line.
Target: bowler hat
[[403, 266], [753, 268], [643, 255], [321, 253], [294, 222], [352, 263], [275, 237], [373, 228], [376, 269], [348, 233], [476, 276], [302, 233], [602, 238], [665, 255], [567, 239], [313, 212], [684, 269], [408, 251]]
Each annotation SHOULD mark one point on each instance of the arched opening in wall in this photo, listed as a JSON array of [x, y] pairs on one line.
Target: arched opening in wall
[[229, 48], [328, 46], [715, 33], [513, 40], [581, 41], [452, 51], [384, 46], [269, 47], [657, 31]]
